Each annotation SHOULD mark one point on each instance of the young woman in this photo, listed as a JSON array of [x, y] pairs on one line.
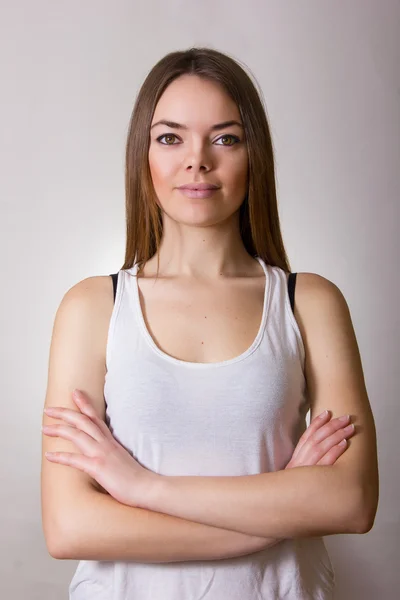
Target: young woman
[[185, 469]]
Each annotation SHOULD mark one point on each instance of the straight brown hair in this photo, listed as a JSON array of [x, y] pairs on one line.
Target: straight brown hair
[[259, 218]]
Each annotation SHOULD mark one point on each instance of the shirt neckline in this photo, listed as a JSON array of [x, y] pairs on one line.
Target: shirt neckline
[[202, 365]]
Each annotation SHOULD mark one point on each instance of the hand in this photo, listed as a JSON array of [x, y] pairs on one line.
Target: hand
[[103, 457], [323, 441]]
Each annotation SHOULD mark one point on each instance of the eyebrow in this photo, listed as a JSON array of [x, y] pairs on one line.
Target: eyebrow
[[215, 127]]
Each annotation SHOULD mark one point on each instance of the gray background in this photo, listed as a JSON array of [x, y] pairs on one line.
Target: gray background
[[70, 71]]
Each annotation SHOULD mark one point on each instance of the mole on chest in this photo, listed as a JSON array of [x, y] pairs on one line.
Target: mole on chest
[[203, 327]]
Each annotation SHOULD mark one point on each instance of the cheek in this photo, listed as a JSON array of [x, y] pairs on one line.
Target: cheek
[[236, 171], [161, 168]]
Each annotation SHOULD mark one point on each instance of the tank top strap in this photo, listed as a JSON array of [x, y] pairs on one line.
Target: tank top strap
[[291, 286]]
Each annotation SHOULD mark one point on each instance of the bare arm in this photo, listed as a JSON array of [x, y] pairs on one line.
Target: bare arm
[[319, 445], [101, 528], [79, 521], [312, 500]]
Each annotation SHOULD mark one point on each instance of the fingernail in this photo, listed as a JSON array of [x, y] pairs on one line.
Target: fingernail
[[77, 394], [342, 443], [344, 418], [349, 428], [322, 415]]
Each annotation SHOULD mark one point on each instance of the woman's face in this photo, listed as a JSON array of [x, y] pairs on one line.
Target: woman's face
[[194, 152]]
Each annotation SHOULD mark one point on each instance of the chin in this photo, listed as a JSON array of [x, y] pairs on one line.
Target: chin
[[200, 218]]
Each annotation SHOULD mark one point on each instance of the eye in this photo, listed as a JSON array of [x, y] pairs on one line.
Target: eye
[[223, 137], [166, 135], [229, 135]]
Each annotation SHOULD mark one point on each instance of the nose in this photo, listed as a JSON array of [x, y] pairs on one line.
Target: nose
[[198, 160]]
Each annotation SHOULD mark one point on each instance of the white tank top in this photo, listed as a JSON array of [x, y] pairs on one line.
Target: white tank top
[[240, 416]]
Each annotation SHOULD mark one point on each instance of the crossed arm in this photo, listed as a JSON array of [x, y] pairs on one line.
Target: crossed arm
[[194, 518], [306, 501]]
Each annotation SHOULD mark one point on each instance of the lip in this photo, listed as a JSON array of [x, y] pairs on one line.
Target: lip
[[198, 186], [198, 193]]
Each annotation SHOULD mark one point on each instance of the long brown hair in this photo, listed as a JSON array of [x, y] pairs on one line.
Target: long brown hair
[[259, 218]]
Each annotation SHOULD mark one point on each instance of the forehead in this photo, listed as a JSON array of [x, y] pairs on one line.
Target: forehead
[[191, 99]]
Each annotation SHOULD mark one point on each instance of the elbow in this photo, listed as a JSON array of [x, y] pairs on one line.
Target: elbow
[[366, 519], [65, 524], [56, 537], [364, 506], [57, 546], [56, 552]]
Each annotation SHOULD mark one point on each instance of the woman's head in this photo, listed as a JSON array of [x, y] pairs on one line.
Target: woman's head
[[199, 88]]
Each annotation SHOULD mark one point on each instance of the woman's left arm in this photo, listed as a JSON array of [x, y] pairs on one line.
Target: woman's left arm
[[303, 501]]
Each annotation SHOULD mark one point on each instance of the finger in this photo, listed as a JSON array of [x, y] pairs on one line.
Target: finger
[[322, 433], [82, 440], [78, 461], [78, 420], [333, 454], [88, 409], [315, 452], [315, 424], [336, 438], [83, 402], [331, 427]]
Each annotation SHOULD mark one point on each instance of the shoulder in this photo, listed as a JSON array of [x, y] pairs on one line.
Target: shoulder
[[88, 304], [90, 296], [92, 293], [314, 281], [316, 295], [322, 313], [90, 288]]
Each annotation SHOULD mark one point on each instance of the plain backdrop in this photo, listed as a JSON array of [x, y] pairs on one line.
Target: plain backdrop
[[70, 71]]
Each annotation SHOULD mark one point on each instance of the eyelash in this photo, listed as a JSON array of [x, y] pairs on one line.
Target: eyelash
[[237, 140]]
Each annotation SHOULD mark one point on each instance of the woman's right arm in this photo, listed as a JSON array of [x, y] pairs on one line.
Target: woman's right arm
[[79, 521], [100, 528]]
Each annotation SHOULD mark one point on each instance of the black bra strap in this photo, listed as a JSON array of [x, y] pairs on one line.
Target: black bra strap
[[291, 286], [114, 277]]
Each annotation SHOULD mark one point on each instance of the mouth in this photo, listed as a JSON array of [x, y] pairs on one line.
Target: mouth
[[191, 192], [199, 186]]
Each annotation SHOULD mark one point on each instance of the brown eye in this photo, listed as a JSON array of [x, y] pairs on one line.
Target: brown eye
[[232, 137], [166, 135]]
